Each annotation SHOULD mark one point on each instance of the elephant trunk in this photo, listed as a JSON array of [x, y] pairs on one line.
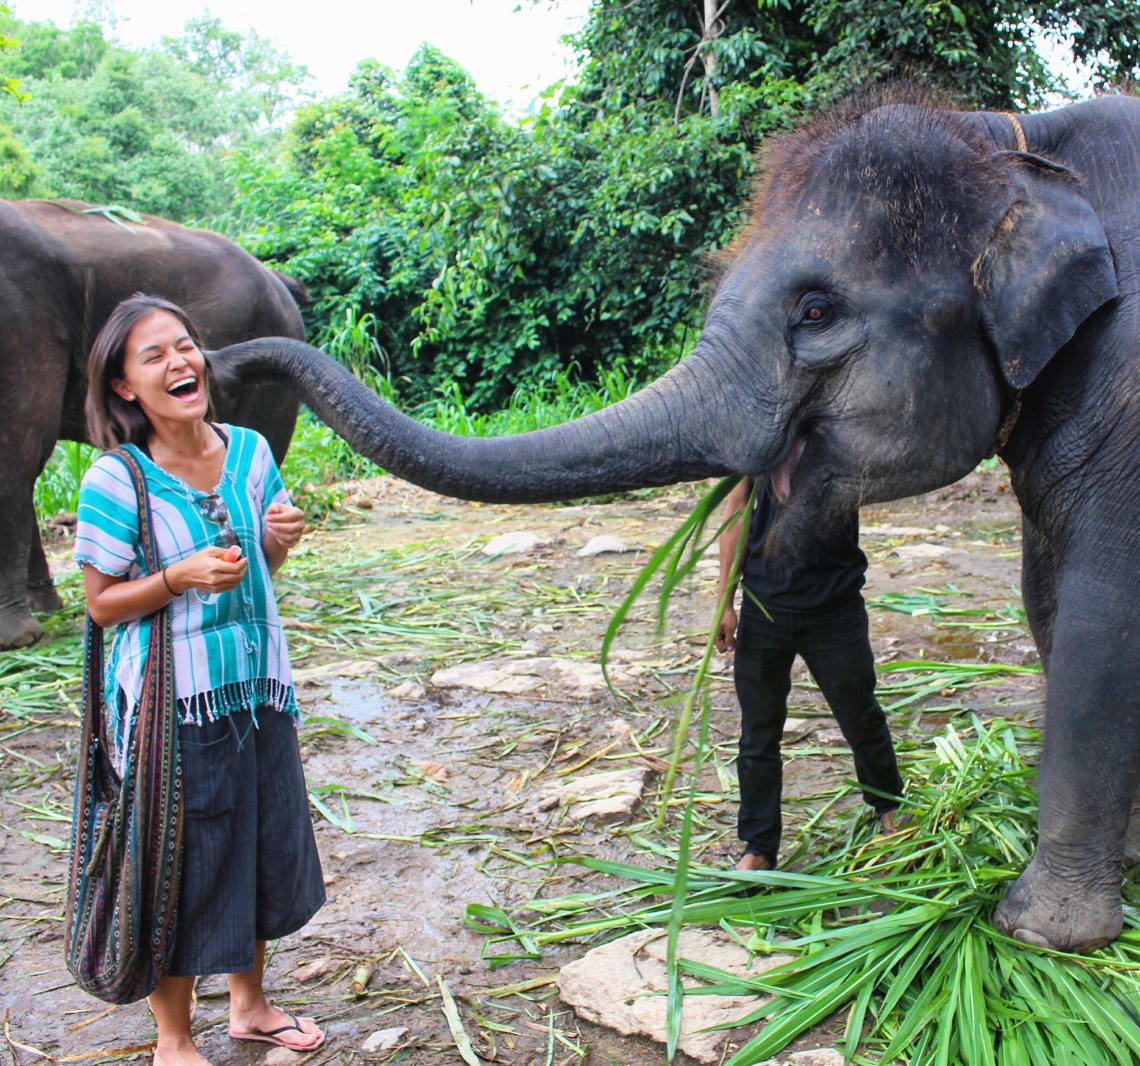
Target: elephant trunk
[[666, 433]]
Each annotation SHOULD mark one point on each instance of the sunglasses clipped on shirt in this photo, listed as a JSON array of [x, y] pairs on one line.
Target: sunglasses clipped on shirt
[[214, 509]]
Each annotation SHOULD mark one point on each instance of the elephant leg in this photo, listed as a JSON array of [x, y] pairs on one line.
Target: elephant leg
[[1069, 897], [17, 626], [41, 593], [1038, 588]]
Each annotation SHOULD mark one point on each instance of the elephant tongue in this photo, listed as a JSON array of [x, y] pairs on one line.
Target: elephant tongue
[[782, 475]]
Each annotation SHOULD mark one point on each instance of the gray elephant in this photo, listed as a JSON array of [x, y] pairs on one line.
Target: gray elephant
[[64, 267], [915, 290]]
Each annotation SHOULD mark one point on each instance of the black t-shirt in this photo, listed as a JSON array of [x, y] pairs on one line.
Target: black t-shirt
[[822, 570]]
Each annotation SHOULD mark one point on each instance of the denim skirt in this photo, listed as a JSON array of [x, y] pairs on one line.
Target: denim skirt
[[250, 869]]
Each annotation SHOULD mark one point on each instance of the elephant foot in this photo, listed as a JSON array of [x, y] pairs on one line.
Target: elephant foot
[[1048, 911], [43, 597], [18, 629]]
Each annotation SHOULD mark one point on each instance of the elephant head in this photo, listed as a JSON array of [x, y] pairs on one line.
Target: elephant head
[[901, 276]]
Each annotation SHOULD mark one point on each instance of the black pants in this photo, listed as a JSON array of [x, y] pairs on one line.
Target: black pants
[[834, 643]]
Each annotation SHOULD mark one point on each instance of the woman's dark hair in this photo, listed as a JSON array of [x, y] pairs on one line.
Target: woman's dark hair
[[111, 420]]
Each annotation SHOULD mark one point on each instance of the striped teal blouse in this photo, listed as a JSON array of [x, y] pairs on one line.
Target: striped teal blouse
[[229, 649]]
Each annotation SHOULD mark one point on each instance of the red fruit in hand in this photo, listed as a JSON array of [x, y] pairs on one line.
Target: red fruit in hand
[[232, 554]]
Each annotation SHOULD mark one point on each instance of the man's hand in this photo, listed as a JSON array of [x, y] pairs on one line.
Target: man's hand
[[726, 631]]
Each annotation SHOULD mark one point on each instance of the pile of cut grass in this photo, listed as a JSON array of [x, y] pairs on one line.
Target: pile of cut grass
[[895, 930]]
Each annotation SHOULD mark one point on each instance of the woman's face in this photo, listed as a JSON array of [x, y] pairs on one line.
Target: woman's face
[[163, 370]]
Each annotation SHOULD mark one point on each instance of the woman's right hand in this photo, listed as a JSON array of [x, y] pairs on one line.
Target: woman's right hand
[[207, 570]]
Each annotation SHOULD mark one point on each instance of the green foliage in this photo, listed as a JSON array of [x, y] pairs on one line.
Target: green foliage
[[146, 129], [493, 255], [259, 85], [18, 174], [656, 53], [8, 84], [57, 488]]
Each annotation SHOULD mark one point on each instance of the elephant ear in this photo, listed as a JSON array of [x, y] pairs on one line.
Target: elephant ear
[[1046, 269]]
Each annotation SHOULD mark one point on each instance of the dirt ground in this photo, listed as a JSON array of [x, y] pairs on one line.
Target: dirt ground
[[426, 798]]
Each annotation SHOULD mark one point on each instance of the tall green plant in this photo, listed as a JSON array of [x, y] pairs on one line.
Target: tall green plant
[[57, 488]]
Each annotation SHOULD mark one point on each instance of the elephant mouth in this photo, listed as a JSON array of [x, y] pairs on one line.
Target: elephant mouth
[[782, 475]]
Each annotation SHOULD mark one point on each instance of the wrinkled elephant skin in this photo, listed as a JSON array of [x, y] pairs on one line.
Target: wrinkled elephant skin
[[915, 289], [61, 273]]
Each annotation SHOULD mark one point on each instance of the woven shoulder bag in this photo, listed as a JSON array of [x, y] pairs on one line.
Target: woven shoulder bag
[[126, 837]]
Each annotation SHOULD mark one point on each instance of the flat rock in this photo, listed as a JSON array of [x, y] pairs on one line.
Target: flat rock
[[606, 542], [924, 551], [346, 668], [622, 986], [517, 542], [820, 1056], [609, 796], [564, 677], [895, 531]]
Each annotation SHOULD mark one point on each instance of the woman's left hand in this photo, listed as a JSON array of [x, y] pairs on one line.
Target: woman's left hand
[[284, 524]]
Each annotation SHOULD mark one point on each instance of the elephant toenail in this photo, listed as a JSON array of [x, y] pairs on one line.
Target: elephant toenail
[[1028, 936]]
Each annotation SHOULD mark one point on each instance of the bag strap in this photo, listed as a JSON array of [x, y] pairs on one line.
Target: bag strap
[[146, 520], [93, 639]]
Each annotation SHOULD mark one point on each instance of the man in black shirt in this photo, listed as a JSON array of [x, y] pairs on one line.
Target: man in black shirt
[[811, 605]]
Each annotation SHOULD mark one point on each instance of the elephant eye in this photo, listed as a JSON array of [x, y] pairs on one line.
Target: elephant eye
[[815, 310]]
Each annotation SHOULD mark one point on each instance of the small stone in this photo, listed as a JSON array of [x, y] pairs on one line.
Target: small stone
[[317, 968], [606, 542], [384, 1039], [516, 543], [829, 738], [408, 690], [419, 725], [609, 796], [279, 1056], [796, 727], [820, 1056]]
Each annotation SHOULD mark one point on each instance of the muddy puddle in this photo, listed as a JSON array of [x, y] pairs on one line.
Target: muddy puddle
[[430, 794]]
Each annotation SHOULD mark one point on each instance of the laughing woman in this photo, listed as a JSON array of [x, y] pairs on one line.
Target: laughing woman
[[250, 871]]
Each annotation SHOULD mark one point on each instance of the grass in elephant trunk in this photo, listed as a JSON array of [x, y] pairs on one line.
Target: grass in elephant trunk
[[894, 929]]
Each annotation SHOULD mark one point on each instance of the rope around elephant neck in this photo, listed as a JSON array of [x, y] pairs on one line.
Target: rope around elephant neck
[[1018, 131], [1008, 421]]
